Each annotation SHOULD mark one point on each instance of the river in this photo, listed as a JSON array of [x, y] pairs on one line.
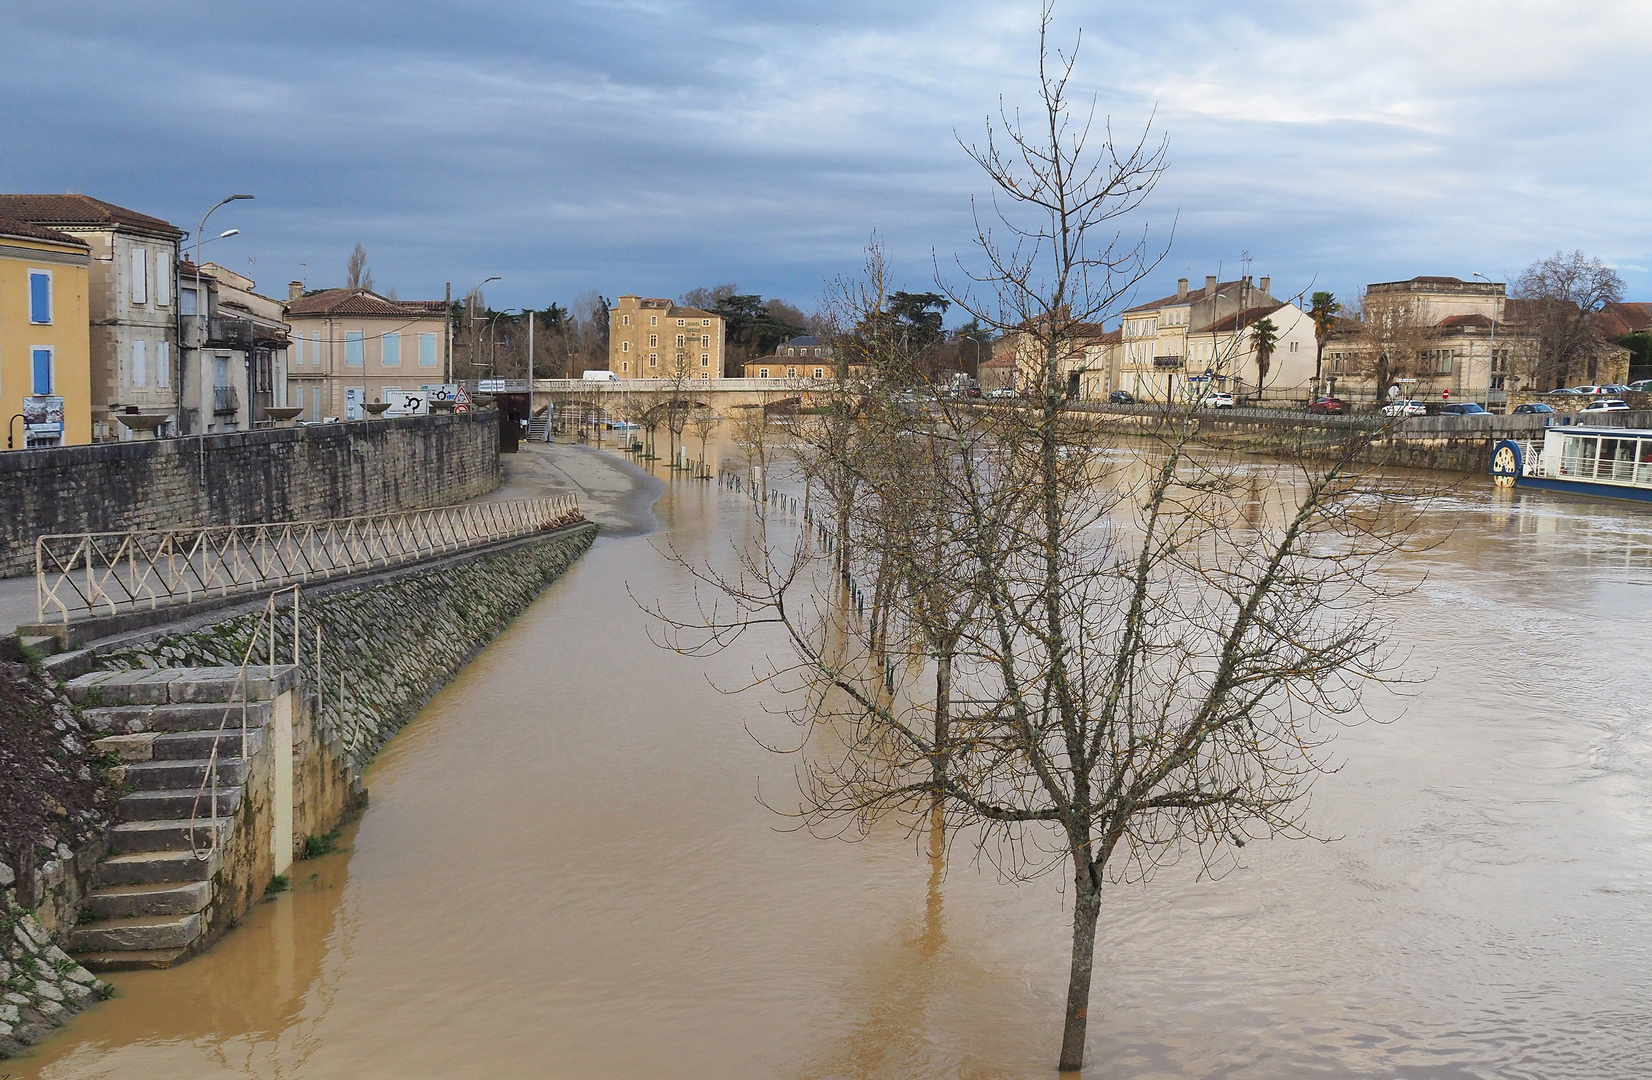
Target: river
[[565, 872]]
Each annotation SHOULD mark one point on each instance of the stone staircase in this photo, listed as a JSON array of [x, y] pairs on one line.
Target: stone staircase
[[153, 895]]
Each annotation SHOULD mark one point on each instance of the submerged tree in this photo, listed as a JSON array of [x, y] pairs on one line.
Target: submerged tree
[[1084, 663]]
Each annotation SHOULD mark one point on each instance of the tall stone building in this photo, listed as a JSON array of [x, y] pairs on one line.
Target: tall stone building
[[656, 339], [133, 306]]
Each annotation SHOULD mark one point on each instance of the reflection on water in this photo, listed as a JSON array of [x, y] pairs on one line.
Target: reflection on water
[[565, 872]]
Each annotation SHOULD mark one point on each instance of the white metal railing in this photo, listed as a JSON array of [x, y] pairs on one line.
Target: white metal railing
[[662, 386], [81, 575]]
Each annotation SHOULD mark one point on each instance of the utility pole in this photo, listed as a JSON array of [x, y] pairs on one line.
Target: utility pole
[[447, 335], [530, 369]]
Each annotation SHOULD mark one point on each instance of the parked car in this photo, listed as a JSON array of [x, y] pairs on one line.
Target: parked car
[[1641, 386], [1327, 405], [1120, 397], [1589, 388], [1614, 388], [1561, 390], [973, 390], [1217, 401], [1606, 405], [1003, 392], [1463, 408], [1533, 407], [1405, 407]]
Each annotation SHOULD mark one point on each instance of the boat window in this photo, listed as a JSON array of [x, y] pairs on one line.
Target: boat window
[[1617, 460], [1643, 471], [1577, 458]]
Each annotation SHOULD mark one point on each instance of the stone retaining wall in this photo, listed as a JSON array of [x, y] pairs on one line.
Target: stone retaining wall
[[277, 474], [398, 637], [40, 986]]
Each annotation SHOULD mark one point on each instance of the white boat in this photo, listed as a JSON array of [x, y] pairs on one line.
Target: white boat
[[1611, 462]]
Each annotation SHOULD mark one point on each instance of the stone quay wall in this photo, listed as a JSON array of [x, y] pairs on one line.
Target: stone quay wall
[[275, 474], [396, 637], [40, 986]]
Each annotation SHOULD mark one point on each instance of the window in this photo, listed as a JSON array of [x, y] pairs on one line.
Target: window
[[140, 363], [315, 348], [163, 363], [163, 278], [42, 370], [705, 341], [791, 373], [625, 320], [653, 359], [1442, 360], [820, 373], [763, 373], [625, 365], [682, 322], [40, 296], [390, 350], [705, 322], [140, 283], [298, 350], [427, 350], [653, 320], [653, 341], [705, 359], [353, 348], [625, 346], [186, 301], [680, 341]]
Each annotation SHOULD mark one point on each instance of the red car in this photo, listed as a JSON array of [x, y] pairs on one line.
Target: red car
[[1327, 405]]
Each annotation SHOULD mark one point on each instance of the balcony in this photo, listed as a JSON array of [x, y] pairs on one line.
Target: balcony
[[225, 401]]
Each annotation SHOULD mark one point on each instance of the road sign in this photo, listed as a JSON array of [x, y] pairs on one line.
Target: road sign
[[406, 403], [461, 400]]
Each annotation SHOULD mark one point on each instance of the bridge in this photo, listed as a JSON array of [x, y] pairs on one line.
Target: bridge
[[640, 400]]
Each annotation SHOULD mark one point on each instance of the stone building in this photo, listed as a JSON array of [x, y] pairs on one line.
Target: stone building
[[348, 346], [45, 342], [1457, 340], [132, 276], [234, 345], [804, 357], [1200, 340], [656, 339]]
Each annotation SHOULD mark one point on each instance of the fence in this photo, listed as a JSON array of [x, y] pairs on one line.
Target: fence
[[83, 575]]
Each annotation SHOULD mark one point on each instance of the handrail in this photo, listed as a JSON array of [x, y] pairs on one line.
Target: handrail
[[81, 575]]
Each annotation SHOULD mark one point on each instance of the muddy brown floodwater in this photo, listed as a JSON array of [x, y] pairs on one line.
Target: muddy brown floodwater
[[565, 872]]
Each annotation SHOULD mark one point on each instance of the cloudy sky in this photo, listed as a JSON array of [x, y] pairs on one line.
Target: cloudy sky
[[651, 146]]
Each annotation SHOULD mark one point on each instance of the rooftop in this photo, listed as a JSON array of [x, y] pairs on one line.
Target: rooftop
[[73, 211], [28, 230], [362, 302]]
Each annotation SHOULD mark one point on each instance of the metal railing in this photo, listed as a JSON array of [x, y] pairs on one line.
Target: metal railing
[[82, 575]]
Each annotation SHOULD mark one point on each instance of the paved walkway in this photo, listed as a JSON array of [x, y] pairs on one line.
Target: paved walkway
[[612, 492]]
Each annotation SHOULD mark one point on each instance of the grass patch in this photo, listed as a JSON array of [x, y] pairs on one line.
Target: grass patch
[[279, 883], [317, 846]]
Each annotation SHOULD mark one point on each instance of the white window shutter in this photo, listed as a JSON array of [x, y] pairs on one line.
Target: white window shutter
[[163, 280], [140, 363], [140, 267], [163, 361]]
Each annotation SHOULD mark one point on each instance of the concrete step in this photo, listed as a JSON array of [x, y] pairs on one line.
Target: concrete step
[[157, 686], [43, 645], [133, 837], [148, 933], [176, 804], [160, 898], [192, 716], [156, 868], [185, 773], [173, 746], [133, 960]]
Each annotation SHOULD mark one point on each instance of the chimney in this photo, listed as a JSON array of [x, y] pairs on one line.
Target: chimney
[[1181, 288], [1264, 284], [1210, 286], [295, 290]]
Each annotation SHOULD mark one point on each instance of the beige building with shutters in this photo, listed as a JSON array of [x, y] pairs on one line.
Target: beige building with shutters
[[133, 306], [656, 339], [344, 340]]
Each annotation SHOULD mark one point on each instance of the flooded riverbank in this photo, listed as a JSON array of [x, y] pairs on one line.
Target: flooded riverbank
[[565, 872]]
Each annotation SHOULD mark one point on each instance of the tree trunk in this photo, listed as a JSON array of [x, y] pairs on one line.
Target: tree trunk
[[1086, 907]]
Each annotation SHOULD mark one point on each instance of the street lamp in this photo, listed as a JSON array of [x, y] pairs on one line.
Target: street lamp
[[1491, 361], [471, 300], [203, 314]]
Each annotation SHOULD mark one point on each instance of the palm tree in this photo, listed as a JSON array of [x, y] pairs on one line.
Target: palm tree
[[1324, 310], [1265, 339]]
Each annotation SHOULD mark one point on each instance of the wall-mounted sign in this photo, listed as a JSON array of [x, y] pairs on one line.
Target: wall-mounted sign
[[43, 415], [407, 403], [353, 397], [440, 391]]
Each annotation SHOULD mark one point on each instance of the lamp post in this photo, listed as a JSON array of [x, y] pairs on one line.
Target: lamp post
[[204, 314], [1491, 360], [471, 302]]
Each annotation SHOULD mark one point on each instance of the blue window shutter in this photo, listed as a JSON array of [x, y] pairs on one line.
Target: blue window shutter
[[40, 297], [353, 342], [42, 372]]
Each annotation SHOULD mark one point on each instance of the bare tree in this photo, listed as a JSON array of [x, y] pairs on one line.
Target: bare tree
[[1557, 295], [1128, 661], [1393, 338], [703, 422], [357, 274]]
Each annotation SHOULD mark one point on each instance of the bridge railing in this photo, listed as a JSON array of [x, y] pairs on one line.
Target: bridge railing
[[82, 575], [663, 386]]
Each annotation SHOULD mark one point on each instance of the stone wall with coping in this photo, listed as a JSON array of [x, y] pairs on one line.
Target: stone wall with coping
[[276, 474], [397, 637]]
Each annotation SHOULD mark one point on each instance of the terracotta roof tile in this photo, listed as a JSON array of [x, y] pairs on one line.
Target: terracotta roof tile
[[81, 211], [1241, 318], [362, 302], [28, 230], [1193, 296]]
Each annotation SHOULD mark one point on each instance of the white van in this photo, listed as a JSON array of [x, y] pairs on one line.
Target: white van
[[600, 376]]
